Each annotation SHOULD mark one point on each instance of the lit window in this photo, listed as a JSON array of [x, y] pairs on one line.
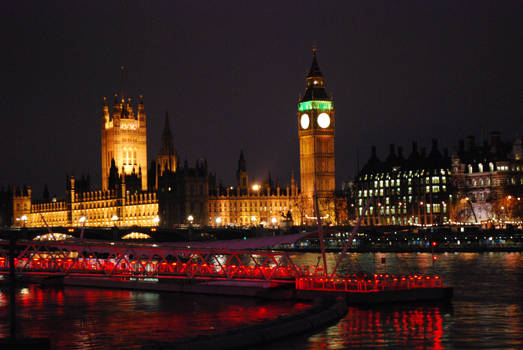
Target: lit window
[[435, 189], [480, 167], [491, 166]]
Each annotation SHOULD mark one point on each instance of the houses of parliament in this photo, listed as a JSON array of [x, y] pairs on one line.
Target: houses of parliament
[[167, 193]]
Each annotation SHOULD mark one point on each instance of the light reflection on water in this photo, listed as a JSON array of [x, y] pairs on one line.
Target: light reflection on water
[[89, 318], [486, 311]]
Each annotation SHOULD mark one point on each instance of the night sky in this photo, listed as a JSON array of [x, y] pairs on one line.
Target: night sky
[[230, 73]]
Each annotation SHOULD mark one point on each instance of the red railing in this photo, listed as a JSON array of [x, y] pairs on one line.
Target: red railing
[[357, 283], [126, 261]]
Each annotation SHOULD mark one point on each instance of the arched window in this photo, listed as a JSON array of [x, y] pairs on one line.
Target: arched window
[[470, 169], [480, 167], [491, 166]]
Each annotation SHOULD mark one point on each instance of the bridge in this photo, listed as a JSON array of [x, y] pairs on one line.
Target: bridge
[[130, 262]]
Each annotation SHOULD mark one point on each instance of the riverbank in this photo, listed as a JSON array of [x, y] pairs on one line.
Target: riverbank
[[399, 249]]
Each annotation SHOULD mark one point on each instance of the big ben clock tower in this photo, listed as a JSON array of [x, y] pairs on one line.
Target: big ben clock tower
[[316, 123]]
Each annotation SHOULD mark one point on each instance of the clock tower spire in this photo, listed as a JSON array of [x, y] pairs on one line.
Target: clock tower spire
[[316, 116]]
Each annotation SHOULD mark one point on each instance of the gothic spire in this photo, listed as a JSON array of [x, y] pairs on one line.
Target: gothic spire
[[315, 84], [242, 166], [315, 67], [167, 138]]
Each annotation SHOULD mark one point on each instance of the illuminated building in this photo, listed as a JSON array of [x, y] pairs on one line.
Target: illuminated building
[[124, 139], [263, 204], [411, 191], [488, 179], [170, 195], [316, 125]]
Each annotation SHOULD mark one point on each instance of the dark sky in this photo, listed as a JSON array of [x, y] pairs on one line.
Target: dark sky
[[230, 72]]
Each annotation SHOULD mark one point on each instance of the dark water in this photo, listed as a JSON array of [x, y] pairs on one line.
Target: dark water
[[486, 312]]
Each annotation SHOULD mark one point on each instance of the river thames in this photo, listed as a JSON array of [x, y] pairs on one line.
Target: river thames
[[486, 311]]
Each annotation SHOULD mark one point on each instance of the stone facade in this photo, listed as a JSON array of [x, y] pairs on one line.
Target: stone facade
[[488, 178], [404, 191]]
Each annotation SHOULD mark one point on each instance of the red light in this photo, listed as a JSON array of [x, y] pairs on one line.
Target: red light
[[434, 244], [434, 258]]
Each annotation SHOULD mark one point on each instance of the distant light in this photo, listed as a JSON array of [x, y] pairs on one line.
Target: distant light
[[274, 221], [190, 218], [114, 217], [255, 187], [218, 220], [82, 219]]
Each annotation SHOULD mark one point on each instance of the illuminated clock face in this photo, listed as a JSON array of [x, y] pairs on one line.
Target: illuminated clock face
[[304, 121], [324, 120]]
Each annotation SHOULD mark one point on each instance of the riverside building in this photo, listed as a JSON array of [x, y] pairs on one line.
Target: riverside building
[[168, 194], [404, 191]]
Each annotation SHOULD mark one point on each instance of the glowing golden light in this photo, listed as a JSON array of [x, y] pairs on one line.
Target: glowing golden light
[[255, 187], [52, 237], [136, 235]]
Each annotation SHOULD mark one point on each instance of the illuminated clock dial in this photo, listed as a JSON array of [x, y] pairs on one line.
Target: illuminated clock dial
[[324, 120], [304, 121]]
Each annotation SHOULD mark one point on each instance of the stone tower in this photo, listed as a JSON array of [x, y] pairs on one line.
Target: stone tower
[[124, 139], [316, 125]]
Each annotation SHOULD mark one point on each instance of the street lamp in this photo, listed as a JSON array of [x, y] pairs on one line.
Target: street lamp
[[253, 220], [24, 219], [218, 221], [114, 219], [190, 218], [156, 220], [255, 187]]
